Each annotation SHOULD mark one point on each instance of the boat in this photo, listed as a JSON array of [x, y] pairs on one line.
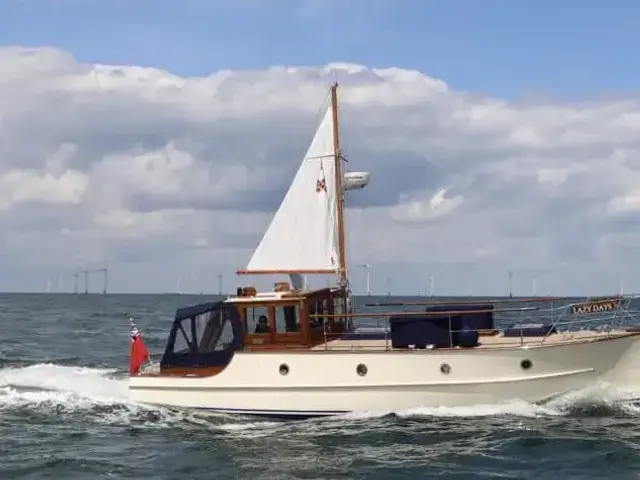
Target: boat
[[295, 352]]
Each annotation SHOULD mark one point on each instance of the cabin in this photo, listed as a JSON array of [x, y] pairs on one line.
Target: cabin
[[204, 337], [288, 319]]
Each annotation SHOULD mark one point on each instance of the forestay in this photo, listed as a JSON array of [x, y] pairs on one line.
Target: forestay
[[302, 236]]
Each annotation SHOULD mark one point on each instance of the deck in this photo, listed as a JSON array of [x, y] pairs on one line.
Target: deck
[[485, 342]]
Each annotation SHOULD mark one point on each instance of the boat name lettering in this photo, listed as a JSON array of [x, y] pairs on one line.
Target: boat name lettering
[[596, 306]]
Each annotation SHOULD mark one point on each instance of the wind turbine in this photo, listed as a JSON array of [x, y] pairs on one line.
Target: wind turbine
[[85, 272], [368, 267], [534, 280], [105, 278]]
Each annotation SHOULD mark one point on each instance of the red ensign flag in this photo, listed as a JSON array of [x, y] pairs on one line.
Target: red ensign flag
[[139, 352]]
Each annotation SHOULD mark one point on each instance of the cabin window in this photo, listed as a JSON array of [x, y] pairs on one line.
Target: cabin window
[[316, 308], [208, 332], [226, 336], [287, 319], [339, 308], [213, 331], [182, 343], [203, 327], [257, 320]]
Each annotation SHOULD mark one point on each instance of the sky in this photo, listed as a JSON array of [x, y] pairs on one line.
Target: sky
[[157, 138]]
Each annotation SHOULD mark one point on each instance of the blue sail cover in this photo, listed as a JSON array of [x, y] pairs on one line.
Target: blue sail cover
[[204, 335]]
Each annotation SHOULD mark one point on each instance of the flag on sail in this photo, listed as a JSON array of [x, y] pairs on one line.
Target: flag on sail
[[139, 353]]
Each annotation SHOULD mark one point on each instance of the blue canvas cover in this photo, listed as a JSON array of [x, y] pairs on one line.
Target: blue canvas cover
[[530, 330], [419, 331], [442, 328], [204, 335]]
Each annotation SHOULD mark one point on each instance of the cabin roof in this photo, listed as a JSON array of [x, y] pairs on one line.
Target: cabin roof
[[193, 310], [262, 297]]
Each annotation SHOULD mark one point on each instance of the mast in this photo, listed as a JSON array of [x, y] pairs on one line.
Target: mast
[[344, 282], [338, 182]]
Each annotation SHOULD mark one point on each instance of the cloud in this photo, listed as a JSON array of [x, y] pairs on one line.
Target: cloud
[[160, 176]]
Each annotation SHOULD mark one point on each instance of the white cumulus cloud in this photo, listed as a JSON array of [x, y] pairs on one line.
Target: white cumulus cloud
[[160, 176]]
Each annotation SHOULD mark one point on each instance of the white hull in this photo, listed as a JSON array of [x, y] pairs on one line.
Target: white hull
[[323, 382]]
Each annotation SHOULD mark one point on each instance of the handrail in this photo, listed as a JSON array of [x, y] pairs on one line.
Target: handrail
[[560, 320], [511, 300], [447, 312], [470, 301], [583, 300]]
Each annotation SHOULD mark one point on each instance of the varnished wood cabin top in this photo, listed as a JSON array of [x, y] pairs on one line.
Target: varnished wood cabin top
[[274, 296]]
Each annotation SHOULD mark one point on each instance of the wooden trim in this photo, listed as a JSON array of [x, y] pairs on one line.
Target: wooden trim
[[286, 271], [271, 319], [257, 339], [488, 332], [277, 347], [184, 371], [304, 321], [276, 302], [287, 338]]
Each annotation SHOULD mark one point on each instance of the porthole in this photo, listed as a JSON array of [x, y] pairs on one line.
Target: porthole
[[284, 369], [445, 368], [361, 369], [526, 364]]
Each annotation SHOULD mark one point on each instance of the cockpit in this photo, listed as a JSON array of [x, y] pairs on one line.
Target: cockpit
[[203, 335]]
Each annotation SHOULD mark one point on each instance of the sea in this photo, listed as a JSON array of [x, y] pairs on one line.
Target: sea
[[65, 414]]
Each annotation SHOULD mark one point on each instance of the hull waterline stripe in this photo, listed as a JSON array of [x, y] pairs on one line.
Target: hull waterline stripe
[[277, 413]]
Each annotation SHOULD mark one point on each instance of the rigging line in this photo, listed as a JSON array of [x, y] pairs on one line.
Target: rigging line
[[318, 117]]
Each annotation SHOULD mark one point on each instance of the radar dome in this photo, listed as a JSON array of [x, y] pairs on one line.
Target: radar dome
[[356, 180]]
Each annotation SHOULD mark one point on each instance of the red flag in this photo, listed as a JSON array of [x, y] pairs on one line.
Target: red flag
[[139, 352]]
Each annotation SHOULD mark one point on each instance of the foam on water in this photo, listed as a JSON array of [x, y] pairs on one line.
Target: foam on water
[[59, 390], [47, 381]]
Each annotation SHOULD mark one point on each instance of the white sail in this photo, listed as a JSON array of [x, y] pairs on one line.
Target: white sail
[[302, 236]]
